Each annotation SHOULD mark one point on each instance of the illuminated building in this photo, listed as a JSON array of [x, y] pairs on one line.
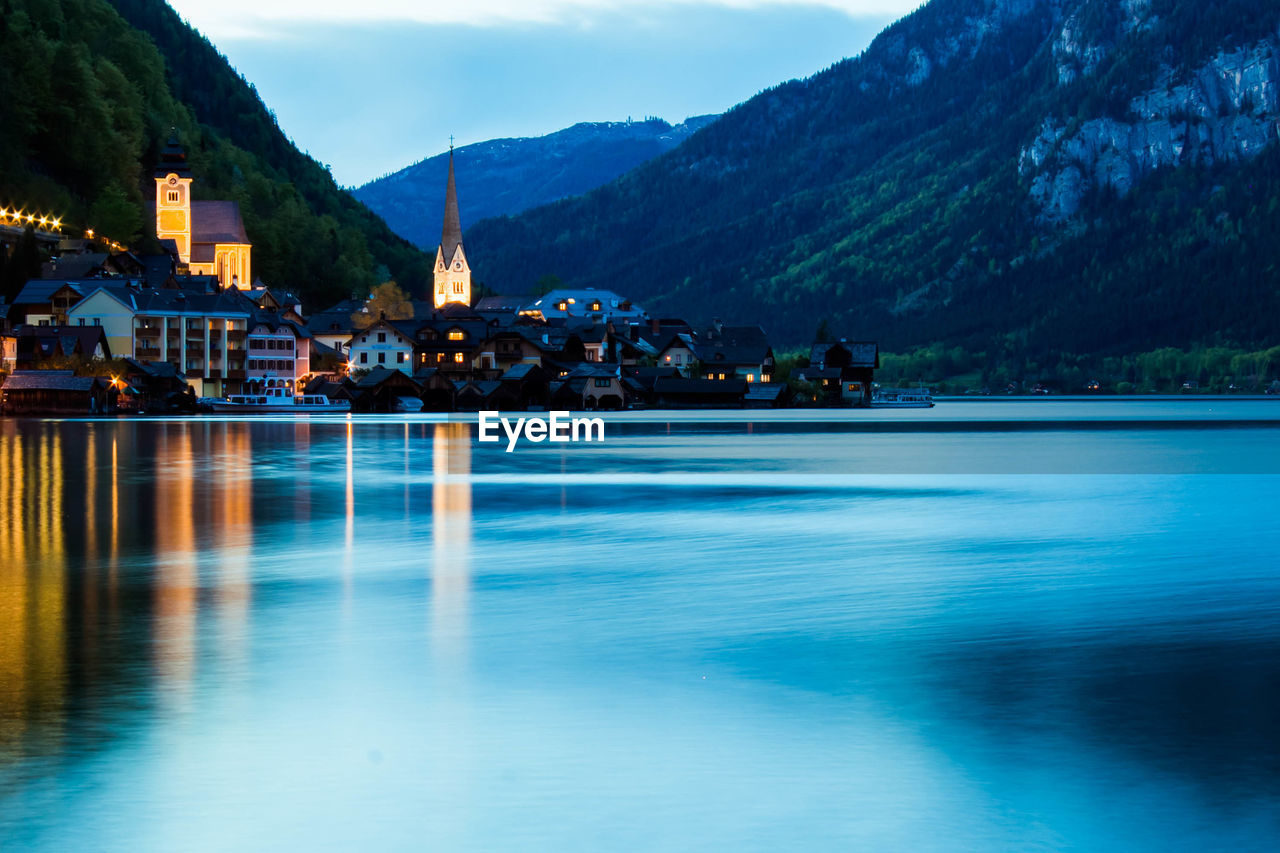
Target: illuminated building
[[452, 272], [209, 235]]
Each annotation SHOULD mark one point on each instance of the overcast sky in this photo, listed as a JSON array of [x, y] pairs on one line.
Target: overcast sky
[[369, 87]]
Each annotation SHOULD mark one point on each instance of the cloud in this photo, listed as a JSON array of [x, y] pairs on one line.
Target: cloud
[[241, 19]]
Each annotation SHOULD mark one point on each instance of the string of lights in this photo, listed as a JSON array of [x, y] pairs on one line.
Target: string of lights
[[49, 224]]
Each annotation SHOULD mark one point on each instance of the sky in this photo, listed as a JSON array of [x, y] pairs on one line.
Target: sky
[[370, 87]]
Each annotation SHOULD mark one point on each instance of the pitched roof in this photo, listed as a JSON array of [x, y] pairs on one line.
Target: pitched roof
[[501, 304], [53, 380], [73, 266], [861, 353], [578, 302], [745, 345], [38, 291], [217, 222]]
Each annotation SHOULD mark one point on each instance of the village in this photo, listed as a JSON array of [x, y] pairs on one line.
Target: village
[[106, 332]]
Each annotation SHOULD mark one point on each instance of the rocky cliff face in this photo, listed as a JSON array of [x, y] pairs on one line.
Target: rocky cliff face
[[1040, 176], [1224, 110]]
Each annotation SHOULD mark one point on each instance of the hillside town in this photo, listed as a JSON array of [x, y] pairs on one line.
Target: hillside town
[[115, 331]]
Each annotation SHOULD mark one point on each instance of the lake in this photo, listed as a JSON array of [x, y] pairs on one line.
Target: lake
[[989, 625]]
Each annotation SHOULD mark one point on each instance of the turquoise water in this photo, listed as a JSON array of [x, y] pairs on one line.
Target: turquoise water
[[990, 625]]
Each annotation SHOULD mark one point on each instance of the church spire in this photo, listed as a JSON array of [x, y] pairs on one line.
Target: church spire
[[453, 273], [451, 236]]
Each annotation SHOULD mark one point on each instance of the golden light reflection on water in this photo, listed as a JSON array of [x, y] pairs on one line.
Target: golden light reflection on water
[[33, 654], [75, 527], [450, 542], [176, 580], [232, 504]]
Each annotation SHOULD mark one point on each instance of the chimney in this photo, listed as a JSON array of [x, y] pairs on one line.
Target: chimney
[[655, 326]]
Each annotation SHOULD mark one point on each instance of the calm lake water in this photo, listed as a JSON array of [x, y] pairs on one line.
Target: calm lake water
[[991, 625]]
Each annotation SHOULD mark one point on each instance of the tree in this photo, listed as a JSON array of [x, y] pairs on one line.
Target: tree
[[823, 335], [386, 300], [546, 284], [115, 217]]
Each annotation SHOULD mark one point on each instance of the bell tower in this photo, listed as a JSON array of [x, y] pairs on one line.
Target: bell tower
[[452, 272], [173, 198]]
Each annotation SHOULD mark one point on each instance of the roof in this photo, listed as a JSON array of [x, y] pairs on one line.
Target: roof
[[39, 291], [73, 266], [274, 322], [336, 318], [216, 222], [65, 339], [861, 353], [744, 345], [610, 303], [521, 371], [501, 304], [765, 390], [380, 374], [49, 380]]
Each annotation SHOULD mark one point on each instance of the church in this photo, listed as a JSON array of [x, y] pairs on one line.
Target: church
[[207, 236], [452, 272]]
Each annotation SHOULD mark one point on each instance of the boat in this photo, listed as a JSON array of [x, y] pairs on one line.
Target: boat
[[902, 398], [274, 399]]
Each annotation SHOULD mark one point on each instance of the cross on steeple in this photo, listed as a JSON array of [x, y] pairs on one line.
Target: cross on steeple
[[451, 143]]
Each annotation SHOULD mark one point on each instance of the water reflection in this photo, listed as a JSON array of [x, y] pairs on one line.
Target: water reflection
[[33, 637], [450, 541], [196, 616]]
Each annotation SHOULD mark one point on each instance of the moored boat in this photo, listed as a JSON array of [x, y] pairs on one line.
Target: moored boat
[[902, 398], [273, 400]]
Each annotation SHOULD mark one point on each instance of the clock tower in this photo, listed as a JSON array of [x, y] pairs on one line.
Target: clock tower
[[452, 272], [173, 198]]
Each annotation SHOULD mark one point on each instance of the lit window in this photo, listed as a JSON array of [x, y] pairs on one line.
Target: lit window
[[457, 356], [562, 306], [595, 306], [456, 335], [751, 377]]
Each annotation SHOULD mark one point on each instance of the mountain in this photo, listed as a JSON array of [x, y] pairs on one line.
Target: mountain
[[91, 92], [508, 176], [1030, 180]]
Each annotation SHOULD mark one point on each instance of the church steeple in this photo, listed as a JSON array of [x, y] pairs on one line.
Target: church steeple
[[452, 273], [451, 235]]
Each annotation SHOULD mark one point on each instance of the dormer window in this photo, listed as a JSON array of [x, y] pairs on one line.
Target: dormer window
[[595, 306], [562, 306], [457, 335]]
